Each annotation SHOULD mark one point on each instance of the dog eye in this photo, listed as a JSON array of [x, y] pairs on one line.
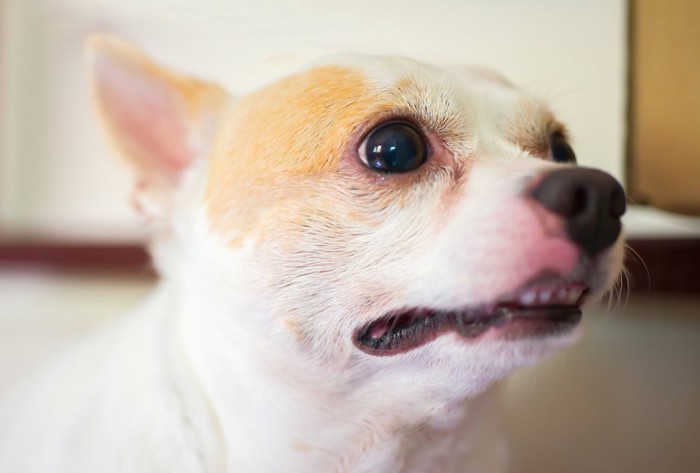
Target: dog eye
[[394, 147], [560, 150]]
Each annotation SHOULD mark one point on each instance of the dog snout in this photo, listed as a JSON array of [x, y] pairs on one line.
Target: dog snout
[[590, 201]]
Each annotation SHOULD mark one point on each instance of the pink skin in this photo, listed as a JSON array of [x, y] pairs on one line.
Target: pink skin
[[528, 242], [551, 246]]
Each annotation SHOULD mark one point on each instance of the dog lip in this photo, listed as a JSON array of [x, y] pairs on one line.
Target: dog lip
[[539, 308]]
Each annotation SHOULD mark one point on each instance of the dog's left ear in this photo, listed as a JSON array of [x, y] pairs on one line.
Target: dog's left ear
[[161, 122]]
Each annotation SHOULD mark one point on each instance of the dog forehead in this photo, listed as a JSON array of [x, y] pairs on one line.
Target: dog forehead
[[457, 101], [299, 129], [386, 71], [308, 117], [291, 129]]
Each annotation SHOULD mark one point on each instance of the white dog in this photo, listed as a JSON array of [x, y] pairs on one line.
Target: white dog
[[350, 258]]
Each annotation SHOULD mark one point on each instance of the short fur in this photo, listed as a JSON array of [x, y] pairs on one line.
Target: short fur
[[275, 244]]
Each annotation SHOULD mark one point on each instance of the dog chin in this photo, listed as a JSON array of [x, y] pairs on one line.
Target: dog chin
[[458, 369]]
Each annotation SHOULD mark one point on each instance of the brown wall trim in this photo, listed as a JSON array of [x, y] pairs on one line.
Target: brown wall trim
[[670, 265], [77, 257]]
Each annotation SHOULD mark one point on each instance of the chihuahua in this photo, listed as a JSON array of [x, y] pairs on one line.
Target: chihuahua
[[350, 258]]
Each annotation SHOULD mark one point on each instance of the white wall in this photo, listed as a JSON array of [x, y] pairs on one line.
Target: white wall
[[63, 181]]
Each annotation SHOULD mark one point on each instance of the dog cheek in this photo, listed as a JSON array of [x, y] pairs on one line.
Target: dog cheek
[[343, 262]]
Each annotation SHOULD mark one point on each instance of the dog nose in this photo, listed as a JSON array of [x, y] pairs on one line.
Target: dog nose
[[590, 201]]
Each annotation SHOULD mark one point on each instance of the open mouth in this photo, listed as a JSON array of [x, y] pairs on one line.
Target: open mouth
[[535, 310]]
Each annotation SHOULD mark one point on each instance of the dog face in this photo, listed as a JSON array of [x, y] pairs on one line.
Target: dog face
[[368, 218]]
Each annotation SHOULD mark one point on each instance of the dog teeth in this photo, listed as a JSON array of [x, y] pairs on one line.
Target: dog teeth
[[528, 298], [574, 296], [550, 296]]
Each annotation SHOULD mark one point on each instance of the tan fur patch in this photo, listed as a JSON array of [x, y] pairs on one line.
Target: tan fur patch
[[301, 447], [531, 126], [298, 127]]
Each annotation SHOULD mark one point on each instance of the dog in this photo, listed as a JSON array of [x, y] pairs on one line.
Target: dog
[[350, 258]]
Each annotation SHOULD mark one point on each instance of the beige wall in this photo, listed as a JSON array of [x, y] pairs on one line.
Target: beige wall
[[59, 179]]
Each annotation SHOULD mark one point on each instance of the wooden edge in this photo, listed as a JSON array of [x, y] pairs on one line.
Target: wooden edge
[[653, 265], [667, 265], [127, 258], [630, 110]]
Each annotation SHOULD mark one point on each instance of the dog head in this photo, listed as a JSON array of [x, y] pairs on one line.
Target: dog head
[[369, 219]]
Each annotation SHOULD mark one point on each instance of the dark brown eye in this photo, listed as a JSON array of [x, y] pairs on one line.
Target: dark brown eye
[[393, 148], [560, 149]]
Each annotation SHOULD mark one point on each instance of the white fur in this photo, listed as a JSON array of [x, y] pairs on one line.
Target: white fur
[[207, 377]]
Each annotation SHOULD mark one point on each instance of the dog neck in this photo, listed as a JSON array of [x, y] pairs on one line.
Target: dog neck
[[273, 416]]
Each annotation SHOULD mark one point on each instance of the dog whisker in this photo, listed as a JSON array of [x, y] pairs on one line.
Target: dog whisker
[[635, 255], [627, 289], [610, 296], [616, 293]]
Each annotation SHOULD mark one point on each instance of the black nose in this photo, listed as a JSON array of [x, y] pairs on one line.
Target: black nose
[[590, 201]]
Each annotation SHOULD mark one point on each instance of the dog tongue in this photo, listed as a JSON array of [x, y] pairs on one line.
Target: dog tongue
[[378, 330]]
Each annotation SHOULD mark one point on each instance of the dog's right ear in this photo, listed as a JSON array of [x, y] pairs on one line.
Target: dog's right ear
[[161, 122]]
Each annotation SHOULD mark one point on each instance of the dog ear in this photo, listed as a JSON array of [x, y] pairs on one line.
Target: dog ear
[[161, 122]]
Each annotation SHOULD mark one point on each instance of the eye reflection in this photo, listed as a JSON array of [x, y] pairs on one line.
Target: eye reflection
[[394, 147]]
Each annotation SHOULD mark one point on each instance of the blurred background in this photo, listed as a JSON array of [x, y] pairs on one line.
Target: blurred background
[[624, 75]]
